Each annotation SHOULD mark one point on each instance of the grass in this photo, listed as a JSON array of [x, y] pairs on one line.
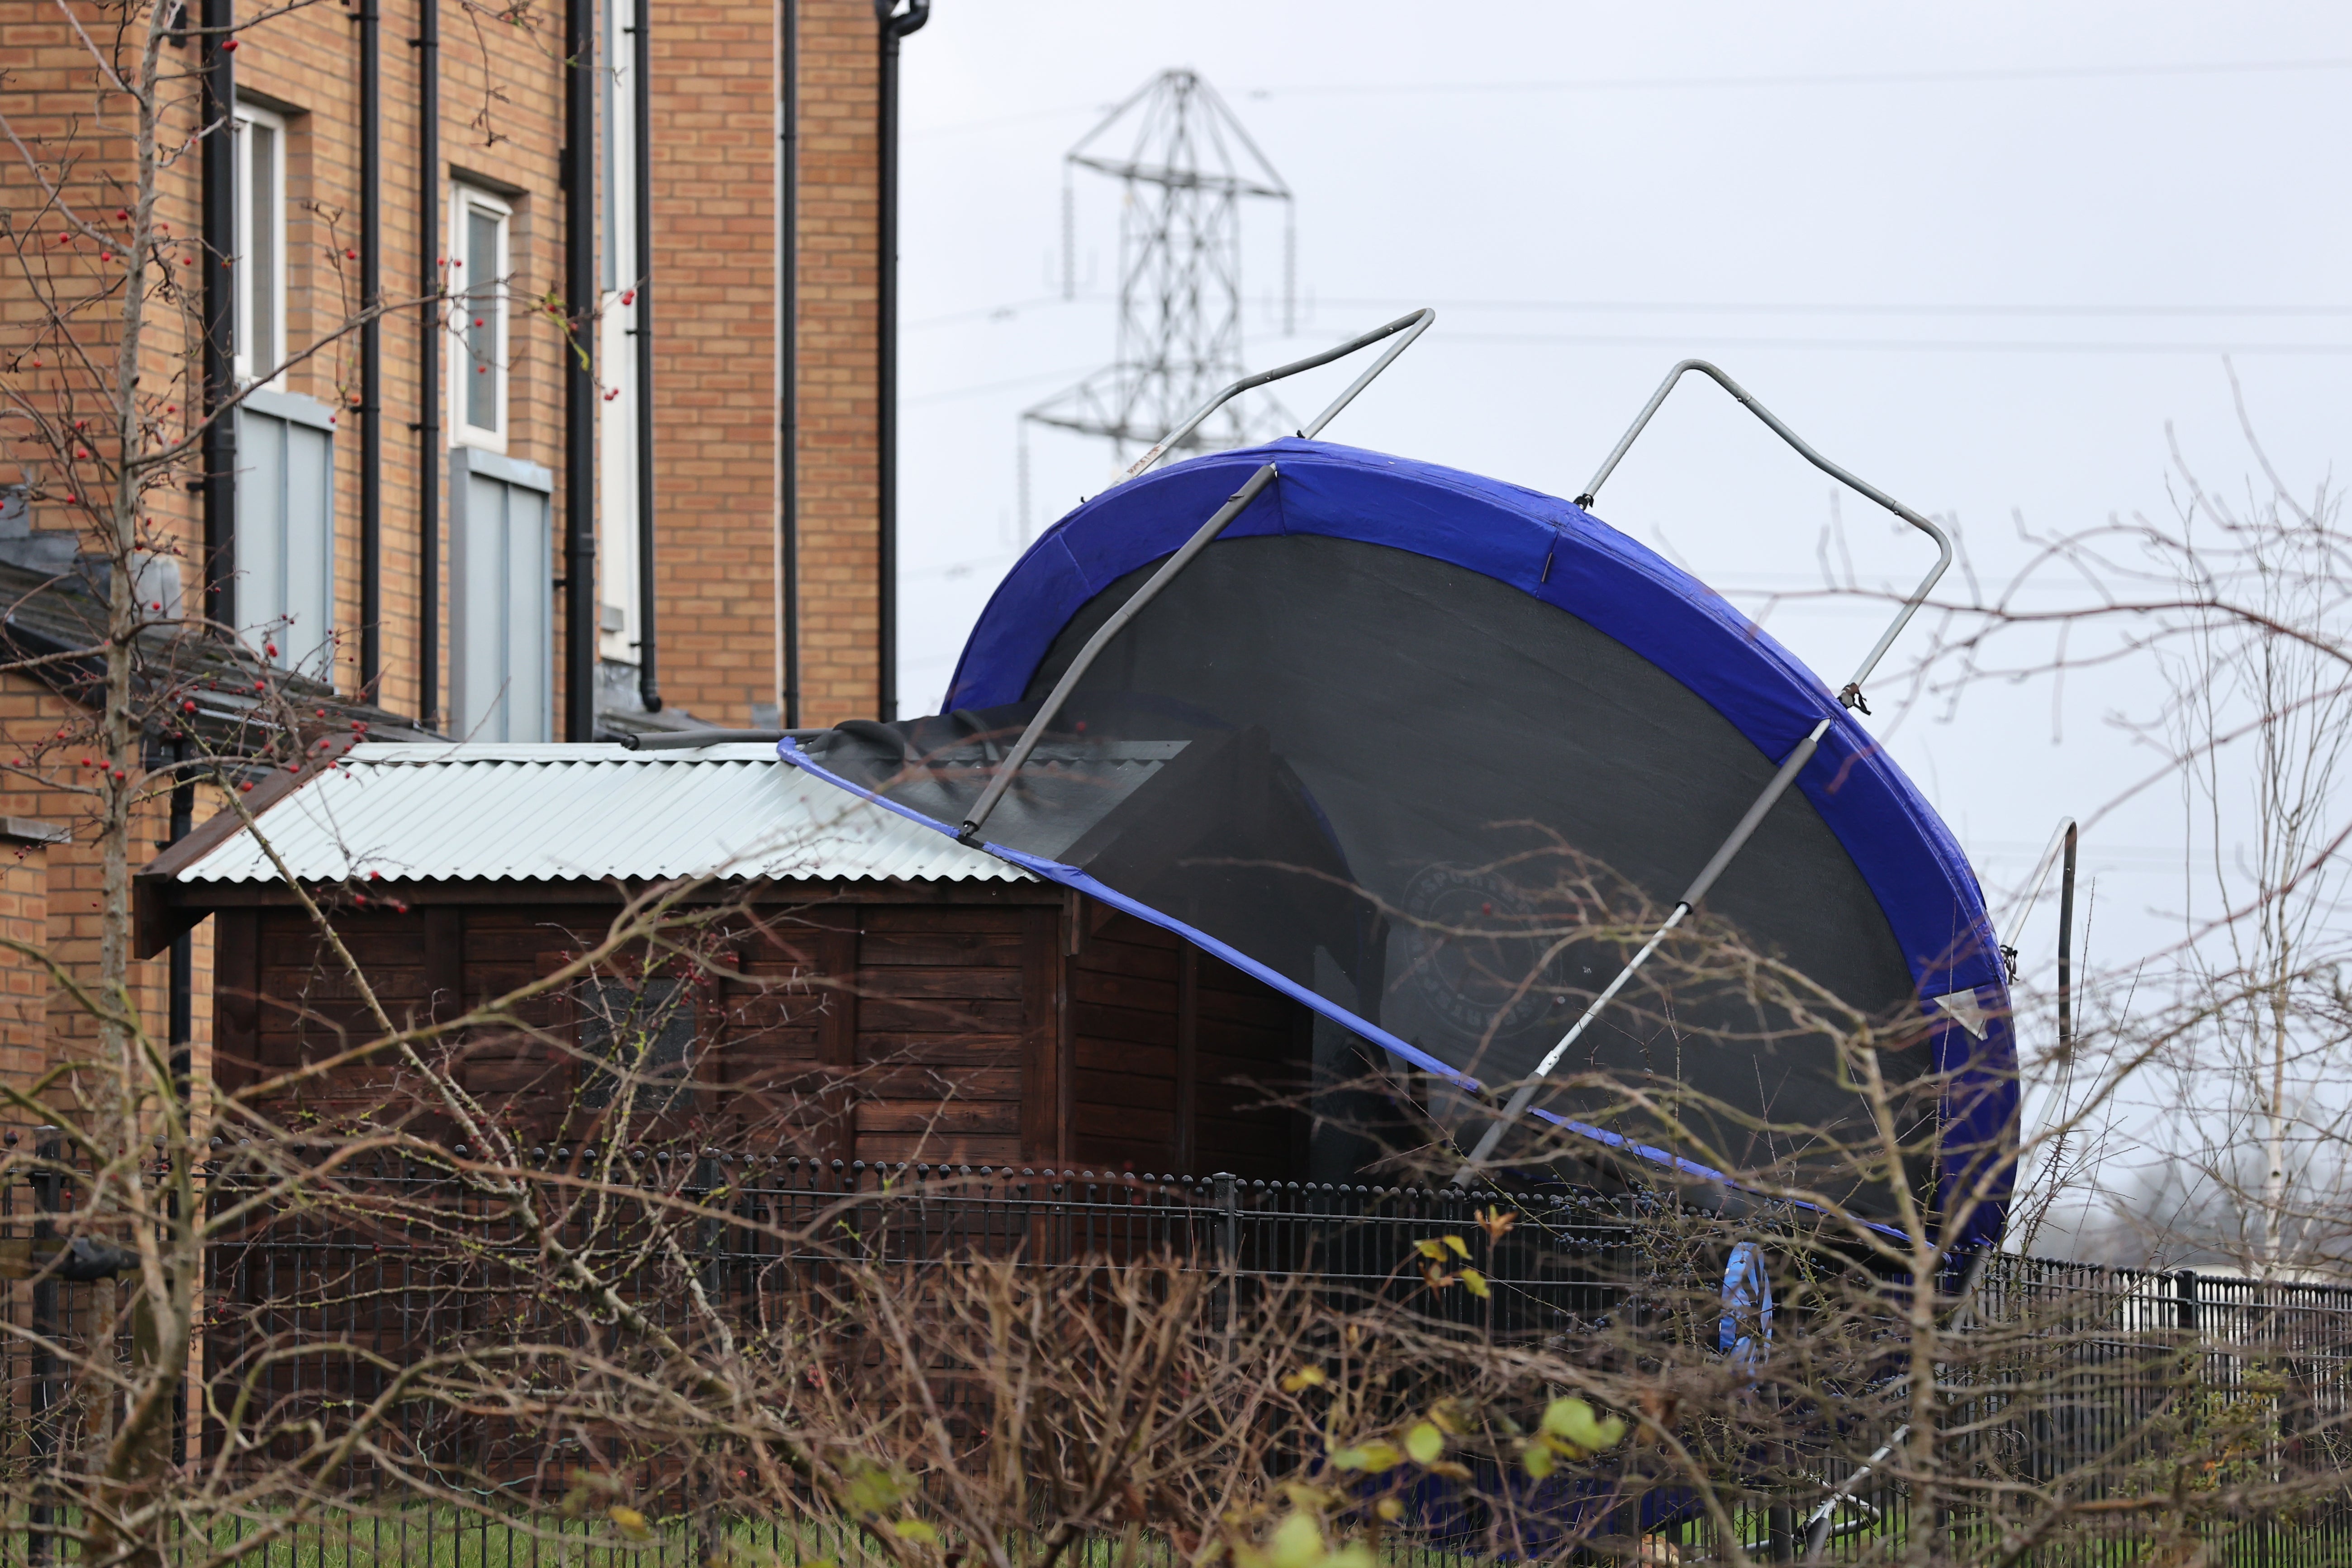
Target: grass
[[439, 1536]]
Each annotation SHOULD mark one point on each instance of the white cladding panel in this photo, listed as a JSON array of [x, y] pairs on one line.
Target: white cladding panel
[[562, 812]]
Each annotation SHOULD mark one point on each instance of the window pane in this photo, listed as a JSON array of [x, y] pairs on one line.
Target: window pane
[[261, 262], [482, 371]]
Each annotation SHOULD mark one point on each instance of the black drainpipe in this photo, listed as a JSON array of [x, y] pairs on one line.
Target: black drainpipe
[[896, 25], [371, 353], [648, 679], [788, 322], [183, 997], [429, 326], [217, 67], [579, 371]]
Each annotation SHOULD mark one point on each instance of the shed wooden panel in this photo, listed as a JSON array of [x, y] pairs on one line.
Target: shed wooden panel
[[975, 1024]]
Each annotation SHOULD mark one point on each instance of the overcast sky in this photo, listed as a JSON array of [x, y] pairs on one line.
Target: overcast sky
[[1983, 256]]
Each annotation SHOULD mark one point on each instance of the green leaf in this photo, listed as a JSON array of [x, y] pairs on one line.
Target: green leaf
[[1476, 1283], [1373, 1459], [1575, 1422], [1460, 1248], [1424, 1442], [1434, 1250], [1305, 1377], [1297, 1542], [1539, 1459], [914, 1529]]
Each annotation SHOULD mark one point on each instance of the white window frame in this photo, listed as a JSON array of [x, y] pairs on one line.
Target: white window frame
[[260, 287], [464, 201]]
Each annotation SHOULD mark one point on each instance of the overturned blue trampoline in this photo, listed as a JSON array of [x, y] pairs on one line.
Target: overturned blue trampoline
[[1448, 760]]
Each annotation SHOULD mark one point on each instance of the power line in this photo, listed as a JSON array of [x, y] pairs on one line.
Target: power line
[[1883, 345], [1012, 310], [1026, 118], [1802, 308], [1670, 83], [1006, 384], [1815, 78]]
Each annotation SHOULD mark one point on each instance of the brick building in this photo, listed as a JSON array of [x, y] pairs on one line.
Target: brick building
[[396, 528]]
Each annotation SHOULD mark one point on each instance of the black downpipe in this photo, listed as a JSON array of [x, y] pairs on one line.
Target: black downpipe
[[429, 326], [216, 65], [788, 360], [895, 25], [370, 352], [579, 371], [649, 676], [182, 992]]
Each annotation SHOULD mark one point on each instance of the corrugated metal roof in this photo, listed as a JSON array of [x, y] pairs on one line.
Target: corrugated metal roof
[[514, 813]]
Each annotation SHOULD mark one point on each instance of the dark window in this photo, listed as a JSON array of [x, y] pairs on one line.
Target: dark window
[[643, 1034]]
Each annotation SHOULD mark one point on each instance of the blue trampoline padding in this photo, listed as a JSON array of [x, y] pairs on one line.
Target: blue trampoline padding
[[1561, 554], [1071, 876]]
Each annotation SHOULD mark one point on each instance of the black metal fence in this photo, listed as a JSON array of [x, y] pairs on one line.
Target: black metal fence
[[2085, 1414]]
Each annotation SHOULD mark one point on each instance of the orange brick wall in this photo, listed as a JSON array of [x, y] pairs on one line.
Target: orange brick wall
[[840, 74], [716, 90], [716, 121], [69, 879], [24, 981], [715, 292]]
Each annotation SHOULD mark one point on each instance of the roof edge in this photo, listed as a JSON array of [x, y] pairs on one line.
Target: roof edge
[[156, 917]]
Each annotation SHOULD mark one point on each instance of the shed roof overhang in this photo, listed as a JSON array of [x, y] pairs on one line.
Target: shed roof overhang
[[502, 823]]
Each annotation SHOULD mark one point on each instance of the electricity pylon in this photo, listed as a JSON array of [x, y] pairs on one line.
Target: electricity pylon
[[1188, 167]]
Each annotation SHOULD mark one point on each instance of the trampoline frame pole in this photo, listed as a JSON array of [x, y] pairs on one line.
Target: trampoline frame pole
[[1411, 326], [1851, 695], [1525, 1093], [1419, 321]]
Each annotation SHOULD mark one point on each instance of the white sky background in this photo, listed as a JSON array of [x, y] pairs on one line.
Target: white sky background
[[1989, 296]]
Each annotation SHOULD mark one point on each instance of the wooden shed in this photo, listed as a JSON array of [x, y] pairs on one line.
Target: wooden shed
[[892, 995]]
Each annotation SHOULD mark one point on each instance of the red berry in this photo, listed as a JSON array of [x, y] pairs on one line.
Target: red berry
[[229, 47], [270, 648], [351, 255], [188, 707]]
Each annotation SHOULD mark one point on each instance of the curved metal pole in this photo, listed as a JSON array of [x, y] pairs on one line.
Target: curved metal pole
[[1412, 326], [1418, 321], [1851, 694]]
